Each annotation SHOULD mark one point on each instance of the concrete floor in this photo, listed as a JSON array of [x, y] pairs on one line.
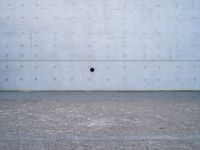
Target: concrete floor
[[100, 120]]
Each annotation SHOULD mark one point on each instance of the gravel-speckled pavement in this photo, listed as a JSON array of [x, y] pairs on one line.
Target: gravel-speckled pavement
[[99, 120]]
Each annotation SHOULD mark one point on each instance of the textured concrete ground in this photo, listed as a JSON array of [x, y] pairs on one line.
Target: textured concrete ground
[[100, 120]]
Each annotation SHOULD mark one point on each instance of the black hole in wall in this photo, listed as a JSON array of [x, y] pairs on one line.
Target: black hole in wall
[[92, 69]]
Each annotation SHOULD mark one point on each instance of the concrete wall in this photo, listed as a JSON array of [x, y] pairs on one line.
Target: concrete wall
[[131, 44]]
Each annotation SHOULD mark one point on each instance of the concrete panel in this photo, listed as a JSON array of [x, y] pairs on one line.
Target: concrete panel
[[131, 44]]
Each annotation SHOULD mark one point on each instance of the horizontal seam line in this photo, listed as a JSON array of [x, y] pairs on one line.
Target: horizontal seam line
[[110, 138]]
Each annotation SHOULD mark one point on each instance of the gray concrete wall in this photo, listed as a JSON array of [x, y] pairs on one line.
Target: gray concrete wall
[[131, 44]]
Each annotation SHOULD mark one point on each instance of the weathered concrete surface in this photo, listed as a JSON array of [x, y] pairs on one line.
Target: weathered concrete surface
[[100, 120]]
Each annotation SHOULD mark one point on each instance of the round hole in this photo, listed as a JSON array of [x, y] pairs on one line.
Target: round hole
[[92, 69]]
